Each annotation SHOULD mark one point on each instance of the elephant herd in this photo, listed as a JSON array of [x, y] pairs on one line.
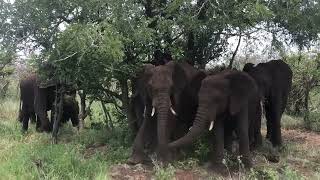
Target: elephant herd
[[173, 104], [37, 98]]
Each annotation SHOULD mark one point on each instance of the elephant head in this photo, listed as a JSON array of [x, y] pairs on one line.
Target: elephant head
[[163, 86], [220, 95], [163, 83]]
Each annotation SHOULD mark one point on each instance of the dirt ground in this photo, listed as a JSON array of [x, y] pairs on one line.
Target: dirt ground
[[301, 154]]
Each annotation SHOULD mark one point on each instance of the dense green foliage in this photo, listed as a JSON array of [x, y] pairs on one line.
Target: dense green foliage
[[100, 43], [6, 69], [93, 153], [304, 96]]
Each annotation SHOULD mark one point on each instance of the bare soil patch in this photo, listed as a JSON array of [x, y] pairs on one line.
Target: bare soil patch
[[300, 159], [91, 150]]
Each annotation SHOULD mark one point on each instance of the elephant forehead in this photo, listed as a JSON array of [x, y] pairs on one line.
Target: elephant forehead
[[215, 81], [45, 83], [162, 70], [161, 78]]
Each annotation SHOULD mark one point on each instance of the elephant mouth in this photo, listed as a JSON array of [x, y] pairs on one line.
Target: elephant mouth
[[154, 111]]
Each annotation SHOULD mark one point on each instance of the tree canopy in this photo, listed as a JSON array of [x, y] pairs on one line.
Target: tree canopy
[[100, 44]]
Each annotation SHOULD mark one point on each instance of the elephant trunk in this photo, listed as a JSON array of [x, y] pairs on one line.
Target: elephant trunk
[[163, 109], [199, 124]]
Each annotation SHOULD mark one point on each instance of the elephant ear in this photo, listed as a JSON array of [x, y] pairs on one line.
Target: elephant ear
[[240, 89], [142, 78], [237, 102], [179, 77], [147, 69], [143, 74], [195, 83]]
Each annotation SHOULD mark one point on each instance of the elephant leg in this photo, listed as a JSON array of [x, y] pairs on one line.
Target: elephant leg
[[255, 137], [44, 124], [33, 118], [243, 133], [218, 145], [75, 121], [138, 155], [25, 121], [276, 121], [268, 112], [228, 137], [151, 139], [284, 99], [38, 123]]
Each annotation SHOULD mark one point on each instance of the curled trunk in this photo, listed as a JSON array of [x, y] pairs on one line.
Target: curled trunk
[[199, 125]]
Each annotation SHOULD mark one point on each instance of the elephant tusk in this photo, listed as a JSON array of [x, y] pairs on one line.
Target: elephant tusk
[[173, 112], [190, 128], [211, 125], [144, 111], [153, 111]]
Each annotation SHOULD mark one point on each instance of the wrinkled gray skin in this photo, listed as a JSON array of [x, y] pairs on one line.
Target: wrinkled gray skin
[[230, 101], [36, 101], [168, 89]]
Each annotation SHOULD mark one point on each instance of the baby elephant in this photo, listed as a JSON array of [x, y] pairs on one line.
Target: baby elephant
[[228, 101]]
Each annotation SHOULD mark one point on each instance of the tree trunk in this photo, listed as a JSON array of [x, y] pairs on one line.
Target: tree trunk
[[234, 53], [108, 120], [58, 108], [82, 109], [306, 107], [124, 96]]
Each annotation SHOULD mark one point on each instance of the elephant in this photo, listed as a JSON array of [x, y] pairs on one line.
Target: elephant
[[169, 93], [274, 80], [136, 102], [70, 109], [35, 101], [228, 101]]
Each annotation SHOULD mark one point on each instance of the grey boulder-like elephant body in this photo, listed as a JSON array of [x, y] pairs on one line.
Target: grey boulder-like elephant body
[[228, 101], [274, 79], [169, 93], [35, 101]]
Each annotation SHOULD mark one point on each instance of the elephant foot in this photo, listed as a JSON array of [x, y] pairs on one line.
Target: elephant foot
[[24, 131], [218, 168], [274, 155], [256, 143], [165, 156], [246, 161], [42, 129], [273, 158], [255, 146], [137, 159]]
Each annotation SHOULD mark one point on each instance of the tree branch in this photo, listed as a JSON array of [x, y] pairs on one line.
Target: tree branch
[[235, 53], [111, 93]]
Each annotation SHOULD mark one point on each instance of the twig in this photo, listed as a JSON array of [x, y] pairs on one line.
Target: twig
[[235, 52]]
